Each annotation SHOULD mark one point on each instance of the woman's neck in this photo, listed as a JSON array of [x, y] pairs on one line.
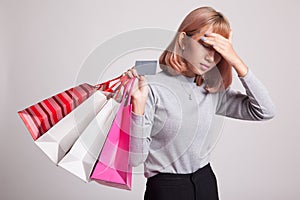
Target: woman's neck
[[188, 74]]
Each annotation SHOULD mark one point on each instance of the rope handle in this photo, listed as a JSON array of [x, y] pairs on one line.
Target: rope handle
[[107, 83]]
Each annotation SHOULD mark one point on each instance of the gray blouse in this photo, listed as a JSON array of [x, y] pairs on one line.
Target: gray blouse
[[182, 121]]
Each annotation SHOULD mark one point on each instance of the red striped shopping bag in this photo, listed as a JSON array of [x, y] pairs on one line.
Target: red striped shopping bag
[[40, 117]]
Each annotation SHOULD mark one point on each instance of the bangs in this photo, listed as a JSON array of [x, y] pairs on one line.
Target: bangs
[[222, 27], [217, 22]]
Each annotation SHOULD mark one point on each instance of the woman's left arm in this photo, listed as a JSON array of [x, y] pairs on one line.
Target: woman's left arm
[[256, 104]]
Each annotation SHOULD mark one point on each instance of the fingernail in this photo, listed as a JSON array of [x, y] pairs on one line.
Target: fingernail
[[206, 34], [203, 38]]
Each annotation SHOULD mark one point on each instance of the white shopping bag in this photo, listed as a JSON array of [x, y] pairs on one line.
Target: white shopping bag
[[60, 138], [83, 155]]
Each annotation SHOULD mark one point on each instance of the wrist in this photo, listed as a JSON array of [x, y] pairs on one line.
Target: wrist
[[240, 67], [138, 105]]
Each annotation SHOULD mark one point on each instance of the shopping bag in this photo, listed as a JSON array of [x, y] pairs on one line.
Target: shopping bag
[[40, 117], [112, 167], [83, 155], [59, 139]]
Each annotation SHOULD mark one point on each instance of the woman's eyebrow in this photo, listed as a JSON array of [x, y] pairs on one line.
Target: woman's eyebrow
[[204, 44]]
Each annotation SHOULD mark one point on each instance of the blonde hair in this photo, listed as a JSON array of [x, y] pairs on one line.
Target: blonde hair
[[197, 20]]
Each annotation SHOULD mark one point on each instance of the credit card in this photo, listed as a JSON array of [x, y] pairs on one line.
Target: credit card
[[145, 67]]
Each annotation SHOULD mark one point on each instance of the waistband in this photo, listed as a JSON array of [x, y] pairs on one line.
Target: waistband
[[205, 169]]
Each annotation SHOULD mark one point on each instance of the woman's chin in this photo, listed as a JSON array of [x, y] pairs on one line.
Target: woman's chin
[[201, 71]]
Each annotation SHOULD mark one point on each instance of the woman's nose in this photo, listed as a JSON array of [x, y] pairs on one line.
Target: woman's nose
[[210, 56]]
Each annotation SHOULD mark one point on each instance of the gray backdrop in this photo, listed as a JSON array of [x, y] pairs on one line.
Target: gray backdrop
[[43, 45]]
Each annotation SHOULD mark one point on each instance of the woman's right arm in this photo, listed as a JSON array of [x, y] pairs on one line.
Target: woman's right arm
[[142, 116]]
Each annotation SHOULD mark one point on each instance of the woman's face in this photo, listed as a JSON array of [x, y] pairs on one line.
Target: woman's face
[[200, 57]]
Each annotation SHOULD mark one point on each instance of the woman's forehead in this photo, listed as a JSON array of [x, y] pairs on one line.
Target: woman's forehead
[[202, 31]]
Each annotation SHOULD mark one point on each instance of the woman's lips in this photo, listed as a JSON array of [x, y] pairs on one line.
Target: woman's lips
[[204, 67]]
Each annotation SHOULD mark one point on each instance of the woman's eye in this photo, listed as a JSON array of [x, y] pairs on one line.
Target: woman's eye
[[204, 45]]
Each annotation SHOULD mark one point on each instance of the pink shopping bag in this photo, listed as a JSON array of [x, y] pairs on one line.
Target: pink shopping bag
[[113, 168], [83, 155]]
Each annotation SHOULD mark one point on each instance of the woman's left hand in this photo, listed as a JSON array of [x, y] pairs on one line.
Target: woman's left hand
[[224, 47]]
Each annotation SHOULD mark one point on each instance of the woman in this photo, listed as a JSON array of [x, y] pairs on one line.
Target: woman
[[173, 111]]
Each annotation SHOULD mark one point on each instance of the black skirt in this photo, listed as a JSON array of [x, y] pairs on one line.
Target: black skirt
[[200, 185]]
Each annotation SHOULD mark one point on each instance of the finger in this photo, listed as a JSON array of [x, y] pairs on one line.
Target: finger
[[218, 48], [129, 74], [213, 35], [142, 78], [142, 81], [134, 72], [209, 41], [217, 44], [216, 37]]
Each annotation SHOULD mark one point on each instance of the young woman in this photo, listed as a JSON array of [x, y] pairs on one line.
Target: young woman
[[173, 111]]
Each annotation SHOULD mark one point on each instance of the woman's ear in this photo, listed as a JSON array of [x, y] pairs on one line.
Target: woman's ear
[[181, 40]]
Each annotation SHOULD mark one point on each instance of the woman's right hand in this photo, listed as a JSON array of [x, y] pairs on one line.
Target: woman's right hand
[[140, 92]]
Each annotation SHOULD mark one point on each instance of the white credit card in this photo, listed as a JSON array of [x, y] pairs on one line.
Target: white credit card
[[145, 67]]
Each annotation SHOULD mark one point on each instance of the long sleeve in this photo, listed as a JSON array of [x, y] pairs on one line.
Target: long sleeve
[[141, 126], [255, 105]]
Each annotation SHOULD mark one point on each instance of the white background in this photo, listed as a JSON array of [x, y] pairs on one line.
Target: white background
[[43, 45]]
